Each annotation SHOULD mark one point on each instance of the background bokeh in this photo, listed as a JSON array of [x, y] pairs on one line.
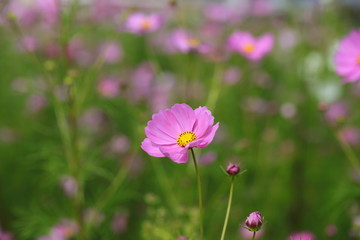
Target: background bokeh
[[72, 70]]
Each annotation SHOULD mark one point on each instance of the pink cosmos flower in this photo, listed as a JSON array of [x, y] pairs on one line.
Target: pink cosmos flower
[[336, 112], [173, 131], [250, 47], [347, 57], [108, 87], [140, 23], [111, 52], [49, 10], [350, 135], [302, 236], [184, 42]]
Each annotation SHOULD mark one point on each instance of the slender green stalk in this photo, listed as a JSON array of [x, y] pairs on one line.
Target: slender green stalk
[[348, 152], [228, 208], [253, 238], [76, 160], [200, 195], [215, 88]]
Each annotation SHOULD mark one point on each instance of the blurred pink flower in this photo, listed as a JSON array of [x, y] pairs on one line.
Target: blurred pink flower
[[105, 9], [302, 236], [140, 23], [25, 13], [184, 42], [119, 223], [207, 158], [69, 185], [5, 235], [49, 10], [347, 57], [29, 43], [111, 52], [245, 44], [142, 80], [108, 87], [93, 120], [336, 112], [36, 103], [119, 144], [232, 75], [52, 50], [288, 38], [351, 135], [261, 7], [77, 52], [331, 230], [173, 131], [219, 12], [65, 230]]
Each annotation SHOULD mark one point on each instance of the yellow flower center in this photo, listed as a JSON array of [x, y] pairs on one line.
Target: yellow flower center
[[193, 42], [249, 48], [145, 25], [358, 59], [185, 137]]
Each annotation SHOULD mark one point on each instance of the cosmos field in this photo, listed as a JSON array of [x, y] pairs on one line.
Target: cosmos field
[[179, 120]]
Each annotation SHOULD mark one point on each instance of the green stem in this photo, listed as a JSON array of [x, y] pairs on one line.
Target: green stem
[[215, 88], [348, 152], [200, 195], [76, 160], [228, 208], [253, 238]]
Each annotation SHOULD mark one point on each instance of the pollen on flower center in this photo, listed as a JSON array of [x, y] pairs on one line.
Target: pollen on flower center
[[249, 48], [193, 42], [358, 59], [145, 25], [185, 137]]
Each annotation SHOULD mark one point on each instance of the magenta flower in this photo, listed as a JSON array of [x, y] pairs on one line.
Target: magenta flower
[[336, 112], [254, 221], [140, 23], [173, 131], [302, 236], [49, 10], [111, 52], [347, 57], [184, 42], [108, 87], [250, 47]]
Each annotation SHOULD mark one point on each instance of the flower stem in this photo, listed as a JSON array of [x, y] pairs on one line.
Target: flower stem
[[253, 238], [200, 195], [348, 152], [228, 208]]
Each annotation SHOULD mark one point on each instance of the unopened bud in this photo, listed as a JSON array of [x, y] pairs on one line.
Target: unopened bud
[[254, 221], [233, 169]]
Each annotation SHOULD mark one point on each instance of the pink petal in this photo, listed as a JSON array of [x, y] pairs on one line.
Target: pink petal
[[151, 149], [175, 152], [204, 120], [354, 76], [185, 116], [158, 137], [203, 142]]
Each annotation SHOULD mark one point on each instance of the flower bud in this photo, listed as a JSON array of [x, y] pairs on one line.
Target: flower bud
[[254, 221], [233, 169]]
